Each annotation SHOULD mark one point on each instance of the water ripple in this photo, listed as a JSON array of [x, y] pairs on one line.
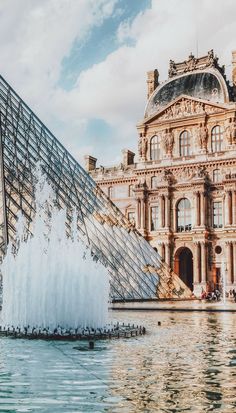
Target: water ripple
[[188, 364]]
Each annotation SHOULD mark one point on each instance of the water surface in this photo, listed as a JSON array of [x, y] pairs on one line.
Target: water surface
[[188, 364]]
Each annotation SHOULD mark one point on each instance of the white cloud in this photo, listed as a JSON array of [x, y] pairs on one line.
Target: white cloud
[[36, 36], [115, 89]]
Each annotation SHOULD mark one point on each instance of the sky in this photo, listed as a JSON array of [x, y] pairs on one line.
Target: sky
[[81, 64]]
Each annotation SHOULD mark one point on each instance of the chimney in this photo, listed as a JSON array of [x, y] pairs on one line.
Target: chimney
[[152, 81], [128, 157], [90, 163], [234, 67]]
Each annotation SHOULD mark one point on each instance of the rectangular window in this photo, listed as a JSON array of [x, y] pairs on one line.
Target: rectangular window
[[217, 215], [131, 217], [154, 218]]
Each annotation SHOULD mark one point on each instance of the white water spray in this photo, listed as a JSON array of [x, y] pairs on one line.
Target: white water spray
[[52, 280]]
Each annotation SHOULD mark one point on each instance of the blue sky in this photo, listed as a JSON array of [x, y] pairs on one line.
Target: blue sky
[[81, 64], [99, 42]]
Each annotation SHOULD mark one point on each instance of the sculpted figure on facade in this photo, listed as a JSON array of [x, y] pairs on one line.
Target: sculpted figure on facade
[[211, 58], [168, 140], [201, 133], [144, 147], [190, 64], [201, 172], [230, 129], [140, 145], [183, 108], [172, 68]]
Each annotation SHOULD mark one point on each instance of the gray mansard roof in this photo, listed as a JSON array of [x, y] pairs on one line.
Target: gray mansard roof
[[202, 78]]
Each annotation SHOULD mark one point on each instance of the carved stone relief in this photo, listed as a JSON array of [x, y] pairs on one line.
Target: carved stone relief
[[188, 107]]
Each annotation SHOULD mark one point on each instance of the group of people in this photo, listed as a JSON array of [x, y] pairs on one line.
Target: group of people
[[211, 295], [216, 295]]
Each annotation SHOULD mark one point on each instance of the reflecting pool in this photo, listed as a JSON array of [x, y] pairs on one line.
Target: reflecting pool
[[188, 364]]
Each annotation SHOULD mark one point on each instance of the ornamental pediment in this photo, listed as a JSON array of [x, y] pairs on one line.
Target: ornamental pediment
[[184, 106]]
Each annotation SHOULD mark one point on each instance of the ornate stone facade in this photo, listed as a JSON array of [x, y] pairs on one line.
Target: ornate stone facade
[[181, 191]]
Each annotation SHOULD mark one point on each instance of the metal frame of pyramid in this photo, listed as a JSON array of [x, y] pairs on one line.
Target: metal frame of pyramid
[[137, 271]]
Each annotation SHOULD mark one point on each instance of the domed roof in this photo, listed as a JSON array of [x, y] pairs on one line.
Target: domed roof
[[207, 84]]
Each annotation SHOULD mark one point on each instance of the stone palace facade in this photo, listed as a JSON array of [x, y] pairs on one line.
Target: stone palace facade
[[180, 191]]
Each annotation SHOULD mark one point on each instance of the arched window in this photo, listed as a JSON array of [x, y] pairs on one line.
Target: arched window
[[153, 182], [216, 175], [184, 219], [154, 218], [217, 214], [216, 139], [184, 143], [111, 192], [131, 190], [155, 145]]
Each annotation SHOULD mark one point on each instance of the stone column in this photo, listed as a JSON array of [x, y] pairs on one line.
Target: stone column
[[227, 208], [162, 212], [203, 208], [138, 213], [196, 264], [174, 217], [234, 258], [234, 207], [144, 213], [203, 263], [163, 251], [141, 213], [229, 262], [197, 209], [167, 211], [167, 249]]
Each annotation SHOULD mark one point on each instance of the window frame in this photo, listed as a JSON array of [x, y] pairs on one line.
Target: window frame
[[184, 144], [216, 139], [183, 216], [154, 223], [155, 148], [133, 217], [216, 177], [153, 179], [218, 222]]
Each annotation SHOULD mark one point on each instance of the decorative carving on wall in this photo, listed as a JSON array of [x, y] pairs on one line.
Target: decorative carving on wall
[[187, 107], [184, 174], [200, 172], [193, 63]]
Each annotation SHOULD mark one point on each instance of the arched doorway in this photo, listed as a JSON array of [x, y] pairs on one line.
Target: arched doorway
[[184, 266]]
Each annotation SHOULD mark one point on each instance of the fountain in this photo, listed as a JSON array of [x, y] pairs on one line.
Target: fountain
[[52, 285], [50, 279]]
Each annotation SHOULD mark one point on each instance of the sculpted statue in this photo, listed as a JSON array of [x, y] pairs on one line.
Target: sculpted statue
[[140, 146], [190, 63], [144, 147], [202, 135], [172, 68], [230, 131], [200, 172], [168, 140], [211, 58]]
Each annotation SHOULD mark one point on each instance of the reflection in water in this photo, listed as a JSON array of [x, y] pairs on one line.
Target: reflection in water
[[188, 364]]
